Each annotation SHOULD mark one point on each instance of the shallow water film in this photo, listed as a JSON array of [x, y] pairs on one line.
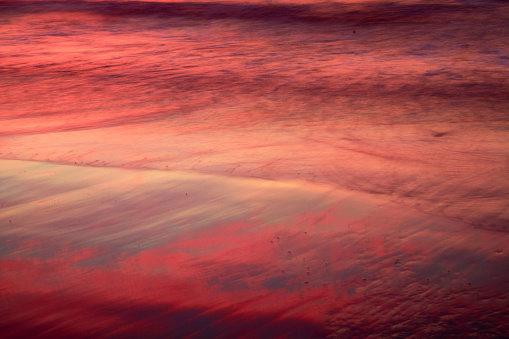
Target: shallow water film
[[254, 169]]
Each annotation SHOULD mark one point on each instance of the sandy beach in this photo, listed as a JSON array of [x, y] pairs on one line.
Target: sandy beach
[[254, 169]]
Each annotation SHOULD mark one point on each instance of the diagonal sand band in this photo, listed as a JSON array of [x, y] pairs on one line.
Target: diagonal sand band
[[461, 174]]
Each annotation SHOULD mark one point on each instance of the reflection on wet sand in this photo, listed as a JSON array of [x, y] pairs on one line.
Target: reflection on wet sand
[[104, 251]]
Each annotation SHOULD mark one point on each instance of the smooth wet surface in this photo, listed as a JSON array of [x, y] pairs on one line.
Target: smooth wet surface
[[104, 252]]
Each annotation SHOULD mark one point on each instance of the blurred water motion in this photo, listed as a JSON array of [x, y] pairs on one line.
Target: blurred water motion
[[370, 147]]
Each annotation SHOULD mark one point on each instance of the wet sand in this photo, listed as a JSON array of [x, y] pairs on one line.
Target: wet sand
[[412, 106], [254, 169], [461, 173], [108, 252]]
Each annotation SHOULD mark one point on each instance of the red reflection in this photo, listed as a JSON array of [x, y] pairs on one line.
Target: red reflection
[[332, 270]]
